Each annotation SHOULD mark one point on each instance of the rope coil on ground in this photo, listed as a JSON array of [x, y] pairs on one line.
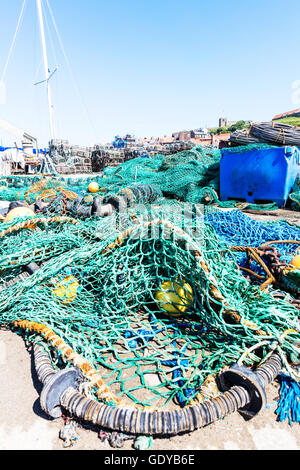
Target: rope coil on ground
[[159, 422]]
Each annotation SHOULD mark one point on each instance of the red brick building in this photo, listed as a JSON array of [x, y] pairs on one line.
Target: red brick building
[[220, 139]]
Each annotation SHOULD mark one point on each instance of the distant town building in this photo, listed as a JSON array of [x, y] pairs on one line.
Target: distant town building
[[165, 140], [219, 140], [182, 135], [223, 122], [201, 133]]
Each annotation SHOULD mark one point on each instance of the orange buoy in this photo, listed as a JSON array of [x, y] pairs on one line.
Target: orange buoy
[[93, 187]]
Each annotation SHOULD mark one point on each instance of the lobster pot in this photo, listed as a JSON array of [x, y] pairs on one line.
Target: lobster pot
[[259, 175]]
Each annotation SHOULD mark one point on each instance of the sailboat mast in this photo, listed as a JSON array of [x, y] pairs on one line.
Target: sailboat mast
[[46, 67]]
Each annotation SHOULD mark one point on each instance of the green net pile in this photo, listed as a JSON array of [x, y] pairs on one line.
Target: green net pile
[[182, 176], [295, 195], [152, 297], [190, 176], [98, 288], [15, 188]]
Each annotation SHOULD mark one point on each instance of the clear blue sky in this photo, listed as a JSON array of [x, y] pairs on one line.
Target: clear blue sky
[[150, 67]]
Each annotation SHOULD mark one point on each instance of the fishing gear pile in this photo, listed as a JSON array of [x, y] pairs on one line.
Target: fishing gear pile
[[149, 295], [274, 133], [189, 176]]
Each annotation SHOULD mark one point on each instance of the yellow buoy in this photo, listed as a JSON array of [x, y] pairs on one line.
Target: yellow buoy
[[93, 187], [19, 212], [174, 297], [295, 262], [66, 290]]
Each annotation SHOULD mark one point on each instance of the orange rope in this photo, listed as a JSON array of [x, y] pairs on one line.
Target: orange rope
[[103, 392], [35, 220], [52, 194]]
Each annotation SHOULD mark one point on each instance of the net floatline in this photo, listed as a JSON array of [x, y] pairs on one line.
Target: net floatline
[[114, 322]]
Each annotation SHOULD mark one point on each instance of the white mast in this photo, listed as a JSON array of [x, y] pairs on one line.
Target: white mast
[[46, 68]]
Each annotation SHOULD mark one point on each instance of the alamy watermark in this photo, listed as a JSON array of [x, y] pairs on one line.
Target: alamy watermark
[[182, 222]]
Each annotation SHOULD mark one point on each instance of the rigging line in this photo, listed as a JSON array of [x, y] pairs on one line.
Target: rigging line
[[70, 69], [14, 40], [38, 114], [53, 49], [50, 36]]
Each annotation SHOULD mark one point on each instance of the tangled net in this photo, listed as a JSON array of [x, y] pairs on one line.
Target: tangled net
[[189, 176], [96, 288], [97, 283]]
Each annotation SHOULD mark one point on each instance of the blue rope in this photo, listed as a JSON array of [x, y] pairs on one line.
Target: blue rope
[[145, 336], [289, 402], [237, 228], [185, 393], [140, 336]]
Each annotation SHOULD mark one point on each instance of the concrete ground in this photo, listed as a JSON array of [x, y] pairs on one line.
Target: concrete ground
[[24, 426]]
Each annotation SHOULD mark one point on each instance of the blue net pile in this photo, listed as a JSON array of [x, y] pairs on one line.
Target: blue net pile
[[238, 229]]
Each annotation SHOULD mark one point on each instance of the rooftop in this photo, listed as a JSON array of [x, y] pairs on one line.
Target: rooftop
[[288, 113]]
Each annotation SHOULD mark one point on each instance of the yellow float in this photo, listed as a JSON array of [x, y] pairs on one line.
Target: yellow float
[[93, 187], [19, 213], [66, 289], [174, 297]]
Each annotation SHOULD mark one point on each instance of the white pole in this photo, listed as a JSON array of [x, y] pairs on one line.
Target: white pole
[[47, 73]]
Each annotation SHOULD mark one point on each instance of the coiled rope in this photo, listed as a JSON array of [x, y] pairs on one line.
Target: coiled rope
[[146, 421]]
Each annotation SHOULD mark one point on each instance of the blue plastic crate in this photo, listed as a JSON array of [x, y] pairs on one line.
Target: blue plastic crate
[[259, 175]]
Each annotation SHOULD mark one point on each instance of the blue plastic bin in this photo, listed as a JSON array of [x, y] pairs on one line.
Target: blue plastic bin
[[259, 175]]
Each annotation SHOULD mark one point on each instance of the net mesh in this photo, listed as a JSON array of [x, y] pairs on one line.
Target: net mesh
[[190, 176], [99, 292], [152, 296]]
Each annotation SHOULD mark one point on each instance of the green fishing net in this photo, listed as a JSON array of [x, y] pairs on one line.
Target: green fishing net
[[153, 299], [190, 176], [295, 195], [151, 296]]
